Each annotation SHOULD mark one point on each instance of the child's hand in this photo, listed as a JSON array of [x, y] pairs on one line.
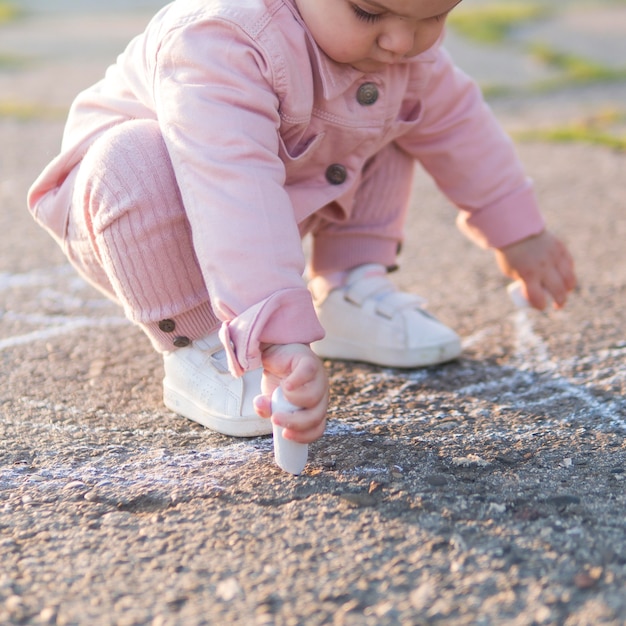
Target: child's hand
[[305, 383], [543, 264]]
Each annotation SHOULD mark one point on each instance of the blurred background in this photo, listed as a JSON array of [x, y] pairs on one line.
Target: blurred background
[[498, 496], [558, 52]]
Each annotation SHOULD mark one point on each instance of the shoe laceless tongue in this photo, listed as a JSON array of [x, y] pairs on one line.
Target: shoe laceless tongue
[[209, 343], [365, 271], [322, 285], [220, 356], [384, 292]]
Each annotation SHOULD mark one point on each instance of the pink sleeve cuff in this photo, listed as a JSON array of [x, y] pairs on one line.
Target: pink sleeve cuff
[[285, 317], [510, 219]]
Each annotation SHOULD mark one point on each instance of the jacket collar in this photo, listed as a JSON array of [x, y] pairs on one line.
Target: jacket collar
[[336, 78]]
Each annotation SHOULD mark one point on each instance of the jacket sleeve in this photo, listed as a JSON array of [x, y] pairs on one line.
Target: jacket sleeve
[[462, 146], [216, 103]]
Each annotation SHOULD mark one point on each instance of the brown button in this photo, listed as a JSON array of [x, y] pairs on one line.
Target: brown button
[[182, 342], [367, 94], [336, 174], [167, 326]]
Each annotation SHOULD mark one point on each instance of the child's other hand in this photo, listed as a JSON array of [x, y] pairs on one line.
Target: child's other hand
[[305, 384], [543, 264]]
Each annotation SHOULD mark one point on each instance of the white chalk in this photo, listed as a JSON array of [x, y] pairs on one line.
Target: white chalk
[[290, 456], [516, 293]]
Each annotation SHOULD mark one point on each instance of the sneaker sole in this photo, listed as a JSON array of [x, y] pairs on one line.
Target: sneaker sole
[[343, 350], [234, 426]]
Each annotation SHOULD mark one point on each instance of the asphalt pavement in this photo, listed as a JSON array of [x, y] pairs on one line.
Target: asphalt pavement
[[487, 491]]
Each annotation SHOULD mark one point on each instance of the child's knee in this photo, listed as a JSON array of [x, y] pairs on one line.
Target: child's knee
[[126, 170]]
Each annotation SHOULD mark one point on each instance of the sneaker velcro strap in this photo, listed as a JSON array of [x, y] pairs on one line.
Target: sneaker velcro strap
[[366, 288], [394, 302], [218, 359], [213, 348], [389, 300]]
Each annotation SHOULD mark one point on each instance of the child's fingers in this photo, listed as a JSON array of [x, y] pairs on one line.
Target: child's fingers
[[307, 385], [308, 436], [536, 295], [559, 296], [304, 382], [554, 280], [303, 426], [307, 424], [566, 269], [298, 421], [560, 281], [263, 406], [306, 370]]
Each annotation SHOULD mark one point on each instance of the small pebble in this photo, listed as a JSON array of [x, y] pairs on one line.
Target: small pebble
[[496, 507], [75, 484], [506, 459], [564, 500], [228, 589], [13, 603], [374, 486], [436, 480], [358, 500], [471, 460], [48, 615], [527, 514], [584, 580], [91, 496], [423, 596]]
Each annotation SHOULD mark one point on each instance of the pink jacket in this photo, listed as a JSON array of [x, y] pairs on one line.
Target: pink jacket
[[253, 113]]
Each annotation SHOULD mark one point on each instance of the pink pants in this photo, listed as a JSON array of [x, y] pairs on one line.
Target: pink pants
[[128, 233]]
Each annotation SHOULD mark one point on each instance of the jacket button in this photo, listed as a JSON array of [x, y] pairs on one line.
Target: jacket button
[[367, 94], [167, 326], [182, 342], [336, 174]]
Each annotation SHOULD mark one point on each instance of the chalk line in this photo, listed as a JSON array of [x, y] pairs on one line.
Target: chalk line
[[52, 325], [534, 370], [36, 278], [55, 331]]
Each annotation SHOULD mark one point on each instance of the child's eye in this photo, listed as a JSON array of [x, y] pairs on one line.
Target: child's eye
[[364, 15]]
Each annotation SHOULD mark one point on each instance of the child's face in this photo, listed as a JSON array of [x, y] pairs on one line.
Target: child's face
[[370, 34]]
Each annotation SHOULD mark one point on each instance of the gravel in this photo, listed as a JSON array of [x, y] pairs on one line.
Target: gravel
[[487, 491]]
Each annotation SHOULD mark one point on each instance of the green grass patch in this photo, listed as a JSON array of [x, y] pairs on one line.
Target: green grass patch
[[8, 12], [27, 111], [494, 90], [492, 23], [574, 68], [12, 61], [599, 130], [569, 70]]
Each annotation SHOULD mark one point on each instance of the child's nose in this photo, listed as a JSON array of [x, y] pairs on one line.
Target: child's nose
[[398, 39]]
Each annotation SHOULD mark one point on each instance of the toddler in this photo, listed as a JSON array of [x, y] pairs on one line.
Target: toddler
[[225, 133]]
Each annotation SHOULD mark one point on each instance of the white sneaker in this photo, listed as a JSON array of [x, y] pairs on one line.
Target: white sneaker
[[198, 386], [368, 319]]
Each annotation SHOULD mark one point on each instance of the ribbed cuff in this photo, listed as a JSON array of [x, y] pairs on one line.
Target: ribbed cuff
[[180, 330], [508, 221], [285, 317]]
